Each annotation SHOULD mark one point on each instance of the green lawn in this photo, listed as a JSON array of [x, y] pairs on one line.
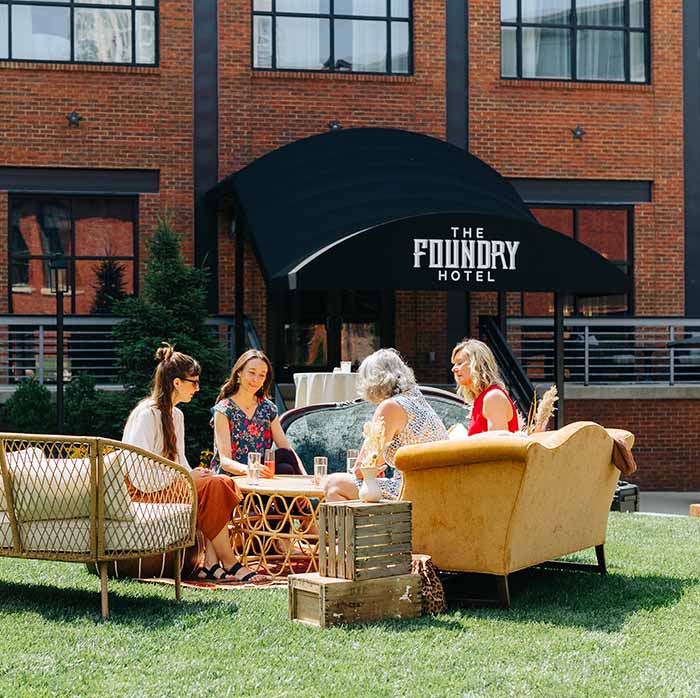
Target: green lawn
[[633, 633]]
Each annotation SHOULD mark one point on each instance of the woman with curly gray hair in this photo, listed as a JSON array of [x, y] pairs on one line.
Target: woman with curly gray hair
[[385, 380]]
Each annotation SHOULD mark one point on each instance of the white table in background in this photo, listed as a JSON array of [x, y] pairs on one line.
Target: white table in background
[[315, 388]]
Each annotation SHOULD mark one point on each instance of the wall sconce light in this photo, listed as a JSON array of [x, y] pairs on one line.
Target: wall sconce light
[[578, 133], [334, 125], [74, 119]]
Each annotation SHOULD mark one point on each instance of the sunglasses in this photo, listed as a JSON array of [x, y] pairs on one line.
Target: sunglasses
[[194, 381]]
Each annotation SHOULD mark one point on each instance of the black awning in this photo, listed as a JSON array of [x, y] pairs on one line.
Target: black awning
[[347, 209]]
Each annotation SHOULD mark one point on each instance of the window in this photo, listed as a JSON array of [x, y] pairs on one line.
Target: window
[[603, 40], [79, 31], [98, 238], [358, 36], [609, 232]]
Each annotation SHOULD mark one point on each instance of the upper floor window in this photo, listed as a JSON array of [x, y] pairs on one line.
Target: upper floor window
[[358, 36], [79, 31], [600, 40]]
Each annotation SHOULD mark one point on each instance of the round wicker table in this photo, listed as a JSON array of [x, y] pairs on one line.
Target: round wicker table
[[275, 526]]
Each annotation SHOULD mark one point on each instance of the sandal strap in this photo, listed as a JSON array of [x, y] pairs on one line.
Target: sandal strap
[[248, 576], [234, 568]]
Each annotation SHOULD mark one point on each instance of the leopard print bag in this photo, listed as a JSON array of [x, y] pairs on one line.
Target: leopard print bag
[[432, 592]]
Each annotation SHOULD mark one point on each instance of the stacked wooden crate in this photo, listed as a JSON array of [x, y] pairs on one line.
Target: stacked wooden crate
[[364, 567]]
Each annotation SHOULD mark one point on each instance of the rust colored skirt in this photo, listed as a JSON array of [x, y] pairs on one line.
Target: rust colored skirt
[[217, 495]]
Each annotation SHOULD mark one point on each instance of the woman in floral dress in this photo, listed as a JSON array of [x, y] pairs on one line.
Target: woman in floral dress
[[246, 421]]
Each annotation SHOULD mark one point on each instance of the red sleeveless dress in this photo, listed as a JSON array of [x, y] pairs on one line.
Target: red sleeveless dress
[[478, 423]]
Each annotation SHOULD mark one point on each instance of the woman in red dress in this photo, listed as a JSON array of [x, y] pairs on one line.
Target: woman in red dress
[[480, 384]]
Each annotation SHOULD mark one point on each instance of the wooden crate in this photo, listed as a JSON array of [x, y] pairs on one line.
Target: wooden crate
[[324, 601], [363, 540]]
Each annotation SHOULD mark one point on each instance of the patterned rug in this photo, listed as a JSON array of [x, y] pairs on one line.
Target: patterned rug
[[280, 581]]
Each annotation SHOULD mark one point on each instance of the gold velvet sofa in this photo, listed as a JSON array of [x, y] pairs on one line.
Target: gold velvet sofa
[[496, 503], [72, 499]]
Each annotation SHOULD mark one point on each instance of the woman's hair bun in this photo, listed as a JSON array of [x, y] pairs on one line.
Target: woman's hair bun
[[164, 352]]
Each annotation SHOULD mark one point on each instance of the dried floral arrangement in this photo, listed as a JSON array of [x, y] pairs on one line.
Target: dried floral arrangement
[[373, 448], [541, 410]]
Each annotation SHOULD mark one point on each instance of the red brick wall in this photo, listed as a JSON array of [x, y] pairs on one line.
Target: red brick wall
[[261, 111], [137, 118], [667, 440], [632, 132]]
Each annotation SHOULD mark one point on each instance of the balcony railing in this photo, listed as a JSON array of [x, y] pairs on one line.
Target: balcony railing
[[28, 346], [598, 351]]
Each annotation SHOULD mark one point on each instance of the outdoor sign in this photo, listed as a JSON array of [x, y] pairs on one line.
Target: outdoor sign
[[457, 251]]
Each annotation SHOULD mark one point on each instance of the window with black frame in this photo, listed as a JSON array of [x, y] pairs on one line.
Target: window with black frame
[[80, 31], [357, 36], [97, 236], [585, 40], [607, 230]]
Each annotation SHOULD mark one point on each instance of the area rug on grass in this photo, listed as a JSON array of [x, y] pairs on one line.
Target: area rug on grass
[[298, 566], [210, 584]]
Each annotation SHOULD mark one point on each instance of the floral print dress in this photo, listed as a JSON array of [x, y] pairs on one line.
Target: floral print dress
[[247, 435]]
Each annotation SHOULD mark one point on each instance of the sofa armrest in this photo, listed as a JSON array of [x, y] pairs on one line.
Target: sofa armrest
[[482, 448]]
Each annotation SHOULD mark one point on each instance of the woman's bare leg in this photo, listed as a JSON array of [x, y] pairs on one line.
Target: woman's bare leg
[[340, 487]]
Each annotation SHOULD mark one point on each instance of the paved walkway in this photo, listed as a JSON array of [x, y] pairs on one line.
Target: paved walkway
[[667, 502]]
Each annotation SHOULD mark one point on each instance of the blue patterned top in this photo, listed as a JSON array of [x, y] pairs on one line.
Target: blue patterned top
[[247, 435]]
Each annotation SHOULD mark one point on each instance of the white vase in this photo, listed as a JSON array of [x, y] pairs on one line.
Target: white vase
[[370, 490]]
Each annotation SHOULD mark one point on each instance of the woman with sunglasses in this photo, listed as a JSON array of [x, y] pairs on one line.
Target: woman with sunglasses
[[157, 425]]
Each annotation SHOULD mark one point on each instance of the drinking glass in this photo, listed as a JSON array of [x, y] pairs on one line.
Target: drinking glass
[[346, 366], [350, 460], [320, 470], [254, 460], [269, 461]]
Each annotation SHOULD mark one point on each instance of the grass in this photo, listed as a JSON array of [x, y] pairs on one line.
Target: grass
[[568, 634]]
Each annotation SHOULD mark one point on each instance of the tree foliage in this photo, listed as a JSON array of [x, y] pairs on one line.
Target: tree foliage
[[171, 307]]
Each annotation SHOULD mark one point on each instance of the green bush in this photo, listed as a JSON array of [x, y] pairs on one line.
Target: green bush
[[90, 412], [30, 410]]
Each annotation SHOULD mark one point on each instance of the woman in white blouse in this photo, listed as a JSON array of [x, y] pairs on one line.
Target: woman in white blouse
[[157, 425]]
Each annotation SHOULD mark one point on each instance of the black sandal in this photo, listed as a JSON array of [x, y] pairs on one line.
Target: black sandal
[[248, 577], [209, 574]]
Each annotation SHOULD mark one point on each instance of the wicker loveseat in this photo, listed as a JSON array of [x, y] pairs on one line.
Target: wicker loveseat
[[70, 498]]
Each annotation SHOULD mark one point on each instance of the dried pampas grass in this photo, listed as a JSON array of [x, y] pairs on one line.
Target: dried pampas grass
[[374, 442], [542, 410]]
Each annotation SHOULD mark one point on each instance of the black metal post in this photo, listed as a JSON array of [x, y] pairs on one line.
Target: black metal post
[[503, 314], [240, 290], [59, 358], [559, 355]]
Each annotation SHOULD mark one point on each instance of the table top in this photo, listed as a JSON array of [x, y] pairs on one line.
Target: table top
[[292, 485]]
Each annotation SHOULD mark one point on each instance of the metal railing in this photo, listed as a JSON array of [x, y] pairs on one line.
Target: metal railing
[[28, 346], [597, 351]]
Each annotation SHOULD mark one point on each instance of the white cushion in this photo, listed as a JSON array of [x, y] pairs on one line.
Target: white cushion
[[45, 489], [154, 527]]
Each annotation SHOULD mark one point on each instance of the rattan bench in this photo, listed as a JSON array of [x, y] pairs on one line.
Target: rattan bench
[[71, 499]]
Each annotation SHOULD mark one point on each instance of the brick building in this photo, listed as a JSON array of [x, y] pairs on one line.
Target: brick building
[[587, 108]]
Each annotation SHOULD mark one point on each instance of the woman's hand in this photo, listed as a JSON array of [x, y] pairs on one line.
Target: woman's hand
[[233, 467], [267, 471], [198, 473]]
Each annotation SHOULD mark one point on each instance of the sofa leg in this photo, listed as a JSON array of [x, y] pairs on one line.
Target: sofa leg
[[103, 590], [600, 554], [503, 592], [177, 573]]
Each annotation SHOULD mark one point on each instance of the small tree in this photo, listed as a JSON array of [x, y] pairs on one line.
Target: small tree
[[109, 287], [171, 307]]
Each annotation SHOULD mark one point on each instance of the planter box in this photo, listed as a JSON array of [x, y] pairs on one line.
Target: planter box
[[324, 601], [364, 541]]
